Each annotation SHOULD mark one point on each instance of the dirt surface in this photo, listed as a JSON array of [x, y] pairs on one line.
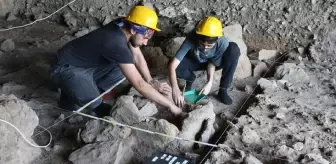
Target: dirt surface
[[283, 113]]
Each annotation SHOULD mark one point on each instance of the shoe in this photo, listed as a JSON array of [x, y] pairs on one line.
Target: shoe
[[103, 110], [224, 97]]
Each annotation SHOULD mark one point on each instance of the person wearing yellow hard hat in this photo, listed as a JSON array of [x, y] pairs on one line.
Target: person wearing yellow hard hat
[[93, 63], [205, 48]]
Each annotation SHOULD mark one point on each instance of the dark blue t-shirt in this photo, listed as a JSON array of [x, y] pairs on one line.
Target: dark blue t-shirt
[[104, 46]]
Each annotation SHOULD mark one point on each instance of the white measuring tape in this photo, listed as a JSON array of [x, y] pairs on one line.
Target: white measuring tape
[[37, 146]]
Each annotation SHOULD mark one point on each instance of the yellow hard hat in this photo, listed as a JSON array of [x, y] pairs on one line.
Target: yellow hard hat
[[210, 26], [143, 16]]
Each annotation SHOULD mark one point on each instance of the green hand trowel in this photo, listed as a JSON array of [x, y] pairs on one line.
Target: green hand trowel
[[193, 96]]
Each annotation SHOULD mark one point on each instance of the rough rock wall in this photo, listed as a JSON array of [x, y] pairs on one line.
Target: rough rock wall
[[267, 24]]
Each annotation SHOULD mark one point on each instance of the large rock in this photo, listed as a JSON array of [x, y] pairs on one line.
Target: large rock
[[314, 158], [226, 154], [171, 46], [156, 141], [250, 136], [199, 121], [292, 73], [13, 149], [268, 86], [8, 45], [235, 34], [250, 159], [112, 151], [156, 61], [98, 131], [125, 111], [5, 7]]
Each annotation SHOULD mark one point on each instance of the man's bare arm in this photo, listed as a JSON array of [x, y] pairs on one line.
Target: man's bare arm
[[211, 71], [134, 77], [141, 63]]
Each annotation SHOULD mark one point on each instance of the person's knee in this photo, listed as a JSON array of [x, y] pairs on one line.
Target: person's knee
[[234, 49]]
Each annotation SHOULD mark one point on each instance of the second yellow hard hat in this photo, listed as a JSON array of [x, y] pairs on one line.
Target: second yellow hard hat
[[210, 26]]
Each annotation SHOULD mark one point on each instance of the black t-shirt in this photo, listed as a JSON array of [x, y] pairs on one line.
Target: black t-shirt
[[104, 46]]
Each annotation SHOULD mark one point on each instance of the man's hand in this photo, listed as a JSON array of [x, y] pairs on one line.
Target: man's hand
[[206, 89], [178, 97], [163, 88], [175, 110]]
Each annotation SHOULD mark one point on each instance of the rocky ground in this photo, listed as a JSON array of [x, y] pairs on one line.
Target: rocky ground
[[284, 98]]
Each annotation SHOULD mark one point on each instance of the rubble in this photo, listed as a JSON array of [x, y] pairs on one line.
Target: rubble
[[235, 34], [14, 149], [8, 45]]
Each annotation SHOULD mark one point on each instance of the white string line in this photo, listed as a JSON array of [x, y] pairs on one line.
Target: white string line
[[2, 30], [24, 137], [87, 104], [237, 112], [131, 127], [144, 130], [101, 95]]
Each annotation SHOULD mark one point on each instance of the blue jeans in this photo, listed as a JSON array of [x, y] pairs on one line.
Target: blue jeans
[[229, 63], [81, 85]]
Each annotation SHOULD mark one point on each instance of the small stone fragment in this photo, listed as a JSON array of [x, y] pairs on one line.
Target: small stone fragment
[[11, 17], [250, 159], [266, 54], [260, 70], [8, 45], [82, 33], [250, 136], [298, 146]]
